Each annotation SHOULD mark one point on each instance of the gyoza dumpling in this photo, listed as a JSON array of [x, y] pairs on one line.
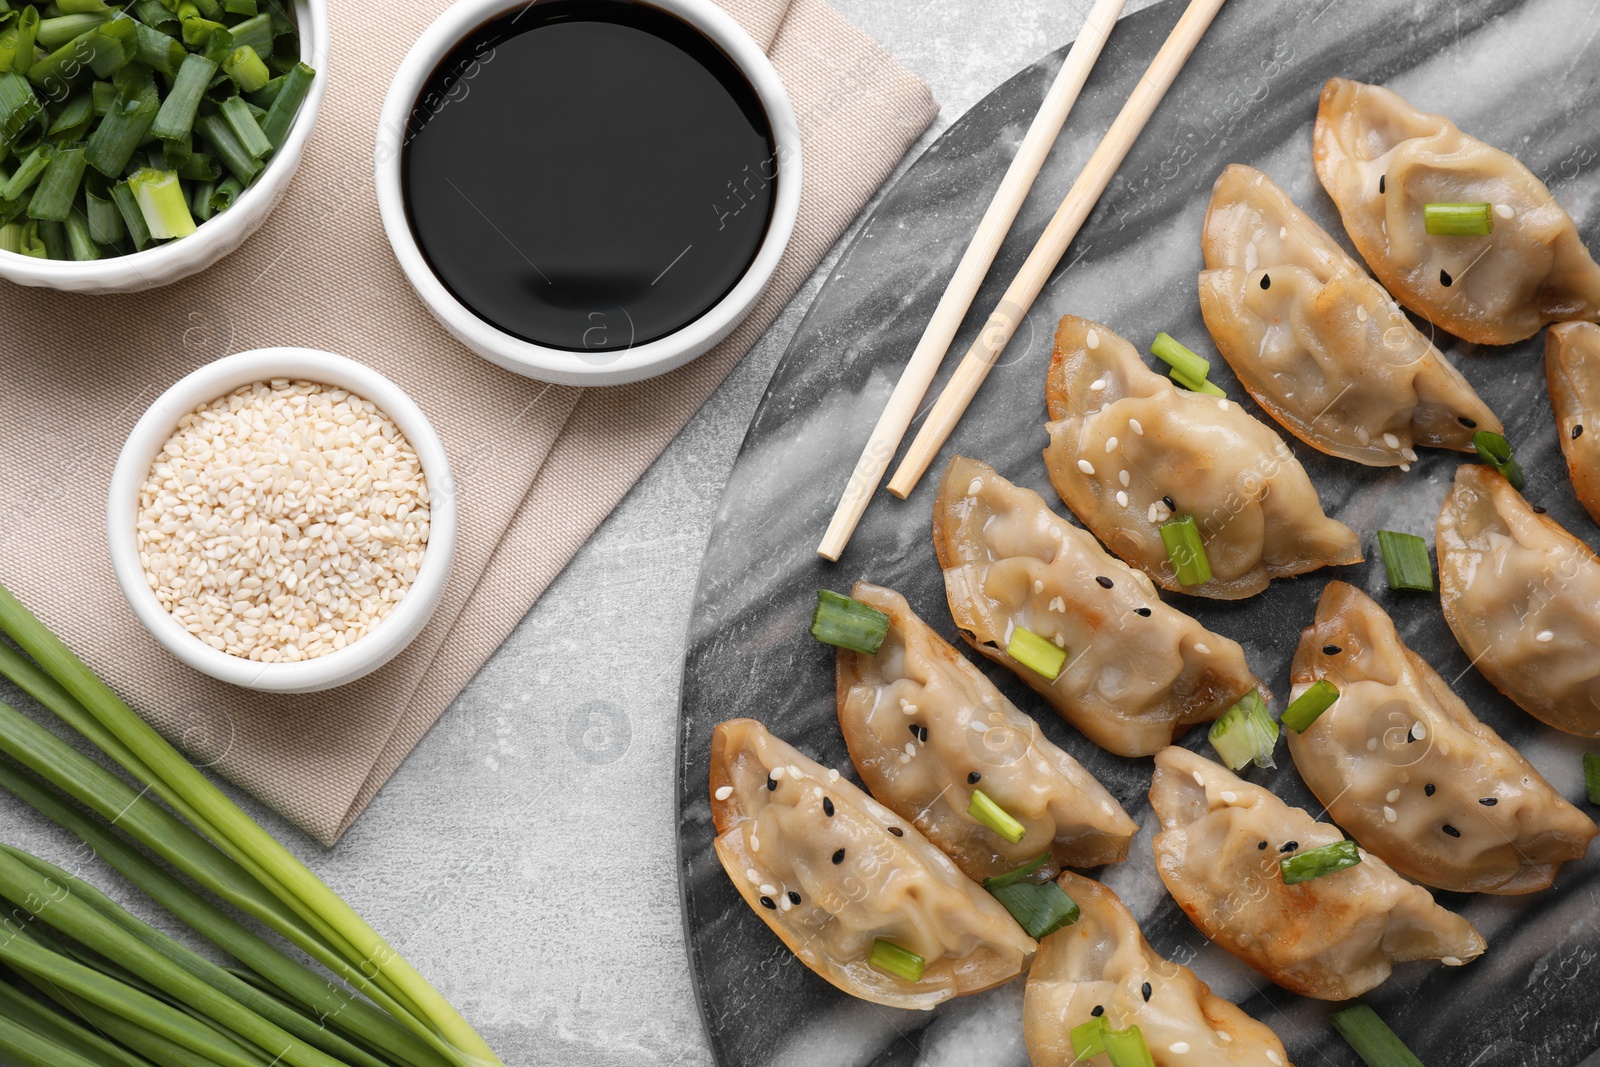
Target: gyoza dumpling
[[831, 871], [1333, 937], [1129, 450], [912, 716], [1321, 346], [1102, 965], [1572, 367], [1138, 671], [1382, 161], [1409, 771], [1523, 597]]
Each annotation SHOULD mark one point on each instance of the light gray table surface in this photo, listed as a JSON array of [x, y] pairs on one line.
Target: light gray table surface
[[525, 856]]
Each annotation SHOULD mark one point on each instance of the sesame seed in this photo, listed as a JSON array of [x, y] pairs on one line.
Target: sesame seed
[[1134, 425], [1361, 314], [723, 792], [904, 759], [766, 902], [911, 749], [1388, 814], [1061, 642], [979, 726], [785, 903], [753, 875], [896, 831], [1391, 440], [769, 889], [1145, 991], [1105, 583], [1266, 281], [755, 843], [1468, 423], [1202, 648], [1577, 431], [1092, 339], [827, 806], [974, 778], [838, 857], [1418, 731], [1451, 830], [1085, 466], [794, 898], [974, 486], [1405, 468], [1539, 509], [1152, 513], [1276, 1059], [1450, 961], [1488, 802], [1228, 796], [1199, 779], [1428, 789], [1224, 1036], [1392, 796], [1058, 604], [907, 707], [1097, 385], [1381, 179], [1409, 454], [1262, 846], [1222, 402], [1288, 846], [1372, 744], [1331, 650], [1444, 277], [1122, 476], [1111, 444], [833, 775], [777, 773], [1180, 1047], [1142, 611], [1099, 1010], [1545, 636], [1038, 586], [1503, 210]]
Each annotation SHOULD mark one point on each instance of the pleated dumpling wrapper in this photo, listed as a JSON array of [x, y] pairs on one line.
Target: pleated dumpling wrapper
[[1383, 161], [1410, 772], [1137, 671], [1102, 966], [926, 729], [1333, 937], [832, 871], [1321, 347], [1572, 368], [1523, 598], [1130, 450]]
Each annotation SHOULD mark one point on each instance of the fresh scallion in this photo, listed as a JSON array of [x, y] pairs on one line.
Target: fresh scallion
[[57, 31], [996, 818], [227, 191], [891, 959], [1089, 1038], [58, 185], [200, 199], [1405, 560], [81, 244], [1039, 908], [1246, 733], [254, 33], [33, 165], [132, 218], [1370, 1036], [1495, 451], [244, 127], [112, 143], [280, 114], [1591, 776], [1188, 369], [1181, 537], [1316, 862], [11, 237], [1126, 1048], [840, 620], [27, 34], [227, 147], [19, 106], [1458, 220], [247, 69], [33, 242], [73, 120], [1304, 709], [158, 51], [161, 202], [54, 236], [1000, 881], [175, 118], [1038, 654]]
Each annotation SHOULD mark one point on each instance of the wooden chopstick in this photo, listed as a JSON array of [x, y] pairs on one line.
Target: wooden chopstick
[[1052, 244], [963, 287]]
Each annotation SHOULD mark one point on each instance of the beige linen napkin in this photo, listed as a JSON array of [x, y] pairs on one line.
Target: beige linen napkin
[[538, 466]]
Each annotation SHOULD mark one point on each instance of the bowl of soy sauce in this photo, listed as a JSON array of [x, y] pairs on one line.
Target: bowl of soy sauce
[[588, 192]]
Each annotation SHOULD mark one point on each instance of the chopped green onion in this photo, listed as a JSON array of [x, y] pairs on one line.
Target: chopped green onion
[[1036, 653], [1405, 559], [1000, 881], [73, 121], [1040, 908], [1316, 862], [132, 217], [58, 186], [105, 222], [1126, 1048], [158, 51], [27, 172], [155, 14], [54, 236], [27, 34], [228, 190], [244, 127], [11, 237], [104, 50], [1209, 389], [1089, 1038], [33, 242], [55, 32], [284, 107], [837, 620], [112, 143], [1457, 220], [1245, 733], [1591, 776], [995, 817], [890, 958], [104, 95], [175, 119], [1304, 709], [1495, 451], [227, 147], [199, 167], [19, 106], [79, 242], [1187, 368], [254, 33], [162, 204], [200, 199], [80, 7], [246, 68], [1181, 536], [1370, 1036]]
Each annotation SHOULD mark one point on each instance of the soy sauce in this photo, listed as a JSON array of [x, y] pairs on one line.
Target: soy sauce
[[589, 174]]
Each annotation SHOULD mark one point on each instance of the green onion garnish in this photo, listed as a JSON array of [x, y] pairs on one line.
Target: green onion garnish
[[848, 623], [1316, 862], [1208, 389], [1000, 881], [1188, 369], [1495, 451], [890, 958], [1039, 908], [159, 195], [1458, 220], [1304, 709], [1591, 776], [1374, 1042], [1405, 558], [1181, 536], [1089, 1039], [995, 817], [1127, 1048], [1246, 733], [1036, 653]]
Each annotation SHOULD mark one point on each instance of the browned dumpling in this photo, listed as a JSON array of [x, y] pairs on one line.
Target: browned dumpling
[[1572, 367], [1129, 450], [1102, 965], [1523, 597], [926, 729], [1321, 347], [1382, 161], [831, 870], [1405, 767], [1138, 671], [1333, 937]]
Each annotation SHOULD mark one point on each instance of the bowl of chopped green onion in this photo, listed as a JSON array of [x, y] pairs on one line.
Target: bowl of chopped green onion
[[141, 142]]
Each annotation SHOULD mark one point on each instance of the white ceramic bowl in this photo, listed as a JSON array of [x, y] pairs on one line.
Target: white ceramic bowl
[[564, 367], [216, 237], [385, 640]]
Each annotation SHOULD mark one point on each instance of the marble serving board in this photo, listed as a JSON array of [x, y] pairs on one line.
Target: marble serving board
[[1525, 77]]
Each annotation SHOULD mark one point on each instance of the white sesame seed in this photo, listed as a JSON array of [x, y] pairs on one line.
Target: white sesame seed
[[833, 775], [723, 792], [1418, 730], [785, 903], [752, 874], [908, 707], [1388, 814], [1391, 440], [1361, 314], [1122, 499], [1372, 744], [904, 758], [1085, 466], [911, 748], [1202, 649], [1228, 796], [768, 889], [794, 772], [1111, 444], [1199, 779], [1136, 427], [755, 843], [1503, 210], [1450, 961], [979, 725], [1092, 339], [1097, 385], [1406, 467], [1392, 796], [1038, 586], [1276, 1059], [1058, 604], [1061, 642], [1222, 402], [1409, 454], [1283, 231], [1152, 513], [1224, 1036], [974, 486], [1544, 636], [777, 774], [1178, 1047], [816, 791], [1122, 476]]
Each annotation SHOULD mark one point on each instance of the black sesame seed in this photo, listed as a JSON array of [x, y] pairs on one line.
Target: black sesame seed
[[1488, 802], [827, 806], [1411, 738], [794, 898], [1144, 612], [766, 902], [1381, 179], [922, 734], [896, 831], [1538, 509], [1331, 650], [1146, 991], [1289, 846], [914, 732], [1468, 423], [838, 857], [1444, 277], [1428, 789], [974, 778], [1105, 583], [1577, 431], [1451, 830], [1167, 500], [1266, 281], [1262, 846], [1099, 1010]]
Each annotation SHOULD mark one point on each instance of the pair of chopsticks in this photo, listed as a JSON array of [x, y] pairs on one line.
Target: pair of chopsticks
[[1030, 280]]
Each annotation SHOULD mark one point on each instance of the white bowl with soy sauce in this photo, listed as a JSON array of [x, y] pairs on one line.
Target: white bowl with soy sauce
[[588, 192]]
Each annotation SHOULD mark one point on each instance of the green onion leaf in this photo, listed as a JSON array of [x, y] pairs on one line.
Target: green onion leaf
[[105, 222], [1316, 862], [58, 186], [839, 620], [132, 218], [243, 124], [214, 128], [19, 105], [155, 14], [27, 35], [81, 245], [55, 32], [1036, 653], [1181, 536], [1089, 1038], [1457, 220], [11, 237], [1000, 881], [33, 242], [246, 68], [1126, 1048], [995, 817], [1374, 1042], [1495, 451], [158, 51], [200, 198], [890, 958], [161, 202], [73, 120], [27, 172], [1304, 709], [112, 143], [54, 236], [1039, 908], [254, 33], [1188, 369], [175, 119], [1405, 559], [1246, 733], [26, 1047], [228, 190], [280, 114], [1591, 776]]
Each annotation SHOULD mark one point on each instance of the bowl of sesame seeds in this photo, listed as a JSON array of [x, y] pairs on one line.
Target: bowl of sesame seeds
[[283, 520]]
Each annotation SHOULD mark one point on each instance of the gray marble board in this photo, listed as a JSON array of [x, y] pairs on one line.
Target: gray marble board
[[1523, 76]]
